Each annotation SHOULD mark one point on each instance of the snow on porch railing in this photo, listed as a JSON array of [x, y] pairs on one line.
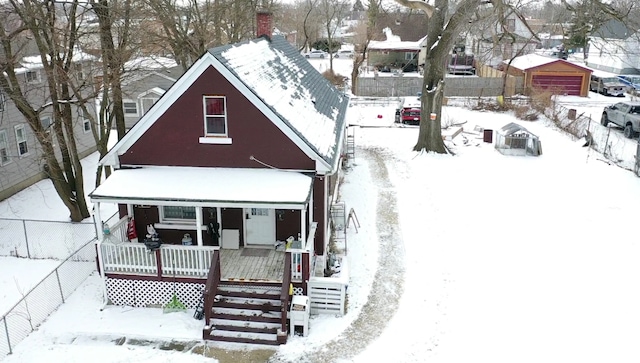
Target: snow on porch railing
[[136, 259], [298, 261], [118, 231]]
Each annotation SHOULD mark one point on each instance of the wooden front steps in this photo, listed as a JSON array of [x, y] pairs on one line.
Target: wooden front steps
[[247, 313]]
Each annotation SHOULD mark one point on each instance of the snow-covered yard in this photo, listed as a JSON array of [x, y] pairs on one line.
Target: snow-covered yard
[[473, 257]]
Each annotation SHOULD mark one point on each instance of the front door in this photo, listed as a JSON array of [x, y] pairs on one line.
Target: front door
[[260, 226]]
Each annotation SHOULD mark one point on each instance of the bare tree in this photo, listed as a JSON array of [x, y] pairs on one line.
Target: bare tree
[[364, 35], [53, 29], [442, 31], [332, 13]]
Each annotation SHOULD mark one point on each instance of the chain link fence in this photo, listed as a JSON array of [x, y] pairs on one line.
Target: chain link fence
[[27, 315], [43, 239], [609, 141]]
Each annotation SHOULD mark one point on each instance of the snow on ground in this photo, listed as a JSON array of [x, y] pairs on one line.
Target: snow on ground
[[18, 276], [473, 257]]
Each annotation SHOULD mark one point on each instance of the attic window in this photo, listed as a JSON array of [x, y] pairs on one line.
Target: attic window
[[215, 115]]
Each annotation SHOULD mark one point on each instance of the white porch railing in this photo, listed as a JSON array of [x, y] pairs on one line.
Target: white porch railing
[[136, 259], [186, 260], [118, 231], [296, 254]]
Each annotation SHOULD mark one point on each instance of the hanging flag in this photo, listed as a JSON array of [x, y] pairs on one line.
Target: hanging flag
[[132, 235]]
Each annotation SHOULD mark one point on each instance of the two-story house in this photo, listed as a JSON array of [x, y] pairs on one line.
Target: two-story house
[[493, 40], [21, 162], [146, 79]]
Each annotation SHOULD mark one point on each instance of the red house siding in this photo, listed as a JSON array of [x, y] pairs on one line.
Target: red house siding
[[173, 139]]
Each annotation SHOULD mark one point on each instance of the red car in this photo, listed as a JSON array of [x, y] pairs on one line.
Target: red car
[[410, 115]]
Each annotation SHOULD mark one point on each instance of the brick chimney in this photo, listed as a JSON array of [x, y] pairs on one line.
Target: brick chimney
[[263, 20]]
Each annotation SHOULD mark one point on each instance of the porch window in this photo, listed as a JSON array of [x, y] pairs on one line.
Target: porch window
[[215, 115], [21, 140], [178, 214], [4, 148]]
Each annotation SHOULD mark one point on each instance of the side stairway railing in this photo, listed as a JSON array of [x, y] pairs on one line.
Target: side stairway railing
[[285, 296], [213, 280]]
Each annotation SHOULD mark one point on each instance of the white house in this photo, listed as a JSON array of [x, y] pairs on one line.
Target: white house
[[615, 48]]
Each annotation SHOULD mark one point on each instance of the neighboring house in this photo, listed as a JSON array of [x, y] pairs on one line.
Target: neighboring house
[[614, 48], [21, 161], [146, 80], [492, 41], [236, 168], [558, 75], [394, 53]]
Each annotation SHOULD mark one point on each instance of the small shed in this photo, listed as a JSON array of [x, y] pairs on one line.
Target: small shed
[[513, 139], [556, 74]]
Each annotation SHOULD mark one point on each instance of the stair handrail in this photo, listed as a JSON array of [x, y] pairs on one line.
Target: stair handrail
[[284, 292], [213, 280]]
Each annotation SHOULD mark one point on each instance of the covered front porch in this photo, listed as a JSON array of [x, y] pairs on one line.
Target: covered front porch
[[124, 258]]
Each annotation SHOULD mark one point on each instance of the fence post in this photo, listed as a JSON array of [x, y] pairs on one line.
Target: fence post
[[59, 285], [26, 239], [6, 331]]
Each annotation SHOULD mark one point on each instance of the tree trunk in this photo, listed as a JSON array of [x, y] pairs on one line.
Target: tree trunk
[[430, 134]]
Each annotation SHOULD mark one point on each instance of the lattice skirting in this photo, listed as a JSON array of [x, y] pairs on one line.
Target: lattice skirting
[[298, 291], [147, 293]]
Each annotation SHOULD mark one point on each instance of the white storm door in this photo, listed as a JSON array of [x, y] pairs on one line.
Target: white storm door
[[260, 226]]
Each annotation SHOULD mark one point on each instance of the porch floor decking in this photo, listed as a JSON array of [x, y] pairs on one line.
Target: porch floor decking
[[252, 264]]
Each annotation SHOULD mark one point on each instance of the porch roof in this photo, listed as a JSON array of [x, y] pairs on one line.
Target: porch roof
[[199, 186]]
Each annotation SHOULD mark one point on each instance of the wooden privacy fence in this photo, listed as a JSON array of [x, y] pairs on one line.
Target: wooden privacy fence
[[461, 86]]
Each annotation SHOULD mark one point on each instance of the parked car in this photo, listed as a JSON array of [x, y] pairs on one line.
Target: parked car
[[608, 86], [316, 53], [343, 53], [625, 115], [632, 82]]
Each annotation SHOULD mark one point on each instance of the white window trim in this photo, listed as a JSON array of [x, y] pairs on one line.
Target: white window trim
[[204, 119], [215, 140], [125, 108], [142, 99], [15, 129], [4, 144], [84, 123]]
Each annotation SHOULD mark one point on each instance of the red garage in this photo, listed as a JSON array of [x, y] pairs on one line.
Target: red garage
[[542, 72]]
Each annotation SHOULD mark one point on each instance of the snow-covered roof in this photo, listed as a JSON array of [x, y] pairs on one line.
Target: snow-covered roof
[[533, 60], [281, 83], [512, 128], [35, 61], [530, 61], [224, 187], [396, 45], [290, 87], [150, 63]]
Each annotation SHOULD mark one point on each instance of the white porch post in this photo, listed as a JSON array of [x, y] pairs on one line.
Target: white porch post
[[325, 228], [199, 225], [304, 219], [130, 210], [100, 259], [303, 227]]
